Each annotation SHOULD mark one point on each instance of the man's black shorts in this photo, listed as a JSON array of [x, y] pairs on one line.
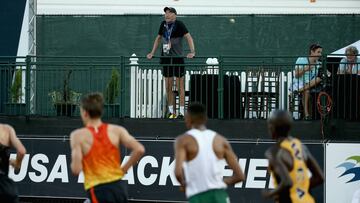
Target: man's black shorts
[[114, 192], [170, 70], [8, 190]]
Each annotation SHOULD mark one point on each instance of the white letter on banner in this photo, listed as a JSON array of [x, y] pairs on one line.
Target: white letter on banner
[[38, 167], [242, 163], [226, 171], [23, 169], [271, 182], [167, 169], [254, 173], [141, 170], [81, 177], [129, 176], [63, 173]]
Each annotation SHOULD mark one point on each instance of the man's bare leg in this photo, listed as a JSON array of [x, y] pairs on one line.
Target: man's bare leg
[[306, 99], [306, 94], [180, 83], [169, 81], [311, 84]]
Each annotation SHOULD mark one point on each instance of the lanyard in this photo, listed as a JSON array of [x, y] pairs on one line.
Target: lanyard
[[168, 31]]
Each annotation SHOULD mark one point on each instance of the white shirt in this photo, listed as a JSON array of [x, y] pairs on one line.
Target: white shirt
[[204, 172]]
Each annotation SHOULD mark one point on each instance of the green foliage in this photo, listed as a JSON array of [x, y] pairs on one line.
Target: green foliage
[[113, 87], [66, 95], [57, 97], [15, 89]]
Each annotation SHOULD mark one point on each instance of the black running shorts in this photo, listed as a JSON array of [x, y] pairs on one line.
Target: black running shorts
[[114, 192], [8, 190], [170, 70]]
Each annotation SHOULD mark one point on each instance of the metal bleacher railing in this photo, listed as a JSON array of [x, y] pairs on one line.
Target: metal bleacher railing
[[232, 87]]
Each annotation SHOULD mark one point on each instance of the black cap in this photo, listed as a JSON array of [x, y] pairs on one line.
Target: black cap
[[171, 9]]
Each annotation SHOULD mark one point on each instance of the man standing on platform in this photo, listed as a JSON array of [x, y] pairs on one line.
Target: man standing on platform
[[171, 34]]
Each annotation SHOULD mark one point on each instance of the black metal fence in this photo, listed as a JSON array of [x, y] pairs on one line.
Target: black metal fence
[[232, 87]]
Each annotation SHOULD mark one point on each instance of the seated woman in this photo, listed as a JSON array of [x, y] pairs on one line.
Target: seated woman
[[350, 64], [306, 76]]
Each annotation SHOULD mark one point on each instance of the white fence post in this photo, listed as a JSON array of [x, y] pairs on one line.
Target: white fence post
[[133, 101]]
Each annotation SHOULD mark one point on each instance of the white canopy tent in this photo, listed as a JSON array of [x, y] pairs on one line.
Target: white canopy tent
[[342, 50], [197, 7]]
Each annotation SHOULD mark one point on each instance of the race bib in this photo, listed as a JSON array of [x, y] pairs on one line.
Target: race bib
[[166, 48]]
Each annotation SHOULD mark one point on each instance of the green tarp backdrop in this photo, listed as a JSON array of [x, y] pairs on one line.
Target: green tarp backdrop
[[213, 35], [258, 35]]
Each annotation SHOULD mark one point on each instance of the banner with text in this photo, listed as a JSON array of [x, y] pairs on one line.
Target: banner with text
[[46, 171]]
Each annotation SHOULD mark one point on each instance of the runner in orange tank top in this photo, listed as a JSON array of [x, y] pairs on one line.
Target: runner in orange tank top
[[96, 151]]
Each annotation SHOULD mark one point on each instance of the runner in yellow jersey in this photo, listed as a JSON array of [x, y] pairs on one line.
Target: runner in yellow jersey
[[290, 162]]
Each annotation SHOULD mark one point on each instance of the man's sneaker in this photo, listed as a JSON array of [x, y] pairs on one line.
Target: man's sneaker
[[180, 116], [171, 115]]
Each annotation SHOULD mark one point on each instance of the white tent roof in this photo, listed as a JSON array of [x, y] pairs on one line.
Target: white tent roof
[[197, 7], [342, 50]]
